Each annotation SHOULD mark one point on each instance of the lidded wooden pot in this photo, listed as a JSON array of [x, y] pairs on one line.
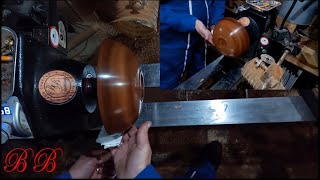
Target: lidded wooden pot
[[230, 37]]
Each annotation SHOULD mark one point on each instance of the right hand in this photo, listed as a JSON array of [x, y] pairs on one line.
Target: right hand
[[134, 154], [203, 31]]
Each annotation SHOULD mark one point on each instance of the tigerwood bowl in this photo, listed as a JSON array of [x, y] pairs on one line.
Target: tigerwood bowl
[[230, 37], [120, 86]]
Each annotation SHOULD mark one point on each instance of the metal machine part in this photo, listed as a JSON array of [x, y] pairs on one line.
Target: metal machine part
[[260, 22], [217, 112], [6, 131], [151, 74], [8, 69], [290, 77], [263, 5], [227, 111], [196, 80], [89, 98], [55, 115], [301, 13], [13, 121], [265, 58]]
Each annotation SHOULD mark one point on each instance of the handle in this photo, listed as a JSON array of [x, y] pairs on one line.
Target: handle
[[286, 52]]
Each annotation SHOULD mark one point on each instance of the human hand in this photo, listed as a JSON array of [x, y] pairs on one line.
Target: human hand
[[134, 154], [212, 29], [86, 167], [203, 31]]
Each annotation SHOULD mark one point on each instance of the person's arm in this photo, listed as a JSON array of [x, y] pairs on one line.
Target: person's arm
[[148, 173], [217, 9], [181, 22]]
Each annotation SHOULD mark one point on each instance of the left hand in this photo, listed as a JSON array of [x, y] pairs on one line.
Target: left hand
[[87, 168], [203, 31], [212, 29]]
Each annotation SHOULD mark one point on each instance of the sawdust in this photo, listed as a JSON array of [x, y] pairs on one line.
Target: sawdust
[[106, 31], [147, 50]]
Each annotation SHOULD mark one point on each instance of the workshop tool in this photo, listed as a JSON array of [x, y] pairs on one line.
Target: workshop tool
[[117, 84], [217, 112], [226, 111], [151, 74], [6, 58], [262, 6], [290, 78], [229, 80], [203, 75], [264, 73], [7, 52], [7, 45]]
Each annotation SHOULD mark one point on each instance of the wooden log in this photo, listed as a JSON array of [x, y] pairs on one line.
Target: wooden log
[[136, 19]]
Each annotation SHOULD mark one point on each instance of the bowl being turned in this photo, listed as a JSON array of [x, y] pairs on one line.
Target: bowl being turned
[[120, 86], [230, 37]]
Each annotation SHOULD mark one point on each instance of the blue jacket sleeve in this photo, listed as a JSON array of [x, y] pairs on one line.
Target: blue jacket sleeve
[[181, 22], [148, 173], [217, 9], [64, 175]]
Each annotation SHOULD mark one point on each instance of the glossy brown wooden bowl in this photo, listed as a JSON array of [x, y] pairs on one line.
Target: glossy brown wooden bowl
[[120, 86], [230, 37]]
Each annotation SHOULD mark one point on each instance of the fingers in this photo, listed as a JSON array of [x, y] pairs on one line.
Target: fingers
[[98, 173], [92, 161], [98, 152], [89, 160], [125, 137], [212, 28], [129, 133], [207, 35], [132, 132], [211, 42], [105, 157], [113, 150], [142, 136]]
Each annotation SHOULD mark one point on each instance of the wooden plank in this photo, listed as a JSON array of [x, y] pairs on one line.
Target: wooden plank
[[292, 59], [310, 55]]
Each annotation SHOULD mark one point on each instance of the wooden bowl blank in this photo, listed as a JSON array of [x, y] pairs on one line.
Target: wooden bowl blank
[[230, 37], [120, 86]]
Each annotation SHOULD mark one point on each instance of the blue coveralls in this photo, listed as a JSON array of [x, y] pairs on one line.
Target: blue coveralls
[[181, 47]]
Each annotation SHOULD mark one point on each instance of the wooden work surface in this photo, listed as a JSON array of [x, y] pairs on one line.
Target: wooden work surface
[[292, 59]]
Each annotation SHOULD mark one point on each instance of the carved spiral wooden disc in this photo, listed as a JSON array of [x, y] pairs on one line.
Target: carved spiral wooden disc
[[120, 86], [230, 37]]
